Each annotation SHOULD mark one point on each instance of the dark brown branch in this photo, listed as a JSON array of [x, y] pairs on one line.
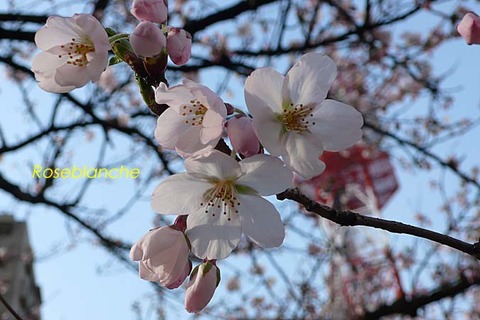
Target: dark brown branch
[[410, 306], [226, 14], [18, 194], [350, 218]]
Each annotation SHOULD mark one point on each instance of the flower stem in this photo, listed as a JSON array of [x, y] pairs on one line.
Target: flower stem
[[117, 37]]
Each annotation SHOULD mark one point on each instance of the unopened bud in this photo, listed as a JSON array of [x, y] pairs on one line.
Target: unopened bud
[[203, 282], [469, 28], [150, 10], [147, 39], [179, 45], [242, 136]]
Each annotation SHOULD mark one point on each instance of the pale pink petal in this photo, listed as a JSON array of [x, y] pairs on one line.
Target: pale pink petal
[[97, 65], [189, 142], [263, 93], [58, 30], [70, 75], [145, 273], [309, 80], [207, 96], [211, 235], [337, 125], [265, 174], [169, 127], [178, 194], [175, 96], [213, 165], [43, 66], [269, 132], [302, 153], [261, 221], [136, 252], [211, 135]]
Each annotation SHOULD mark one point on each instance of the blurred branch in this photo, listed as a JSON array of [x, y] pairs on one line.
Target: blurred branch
[[409, 306]]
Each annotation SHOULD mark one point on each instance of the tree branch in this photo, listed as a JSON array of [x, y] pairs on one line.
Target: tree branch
[[350, 218], [410, 306]]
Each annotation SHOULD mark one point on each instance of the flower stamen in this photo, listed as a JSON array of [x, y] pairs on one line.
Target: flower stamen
[[221, 199], [77, 52], [194, 113], [295, 118]]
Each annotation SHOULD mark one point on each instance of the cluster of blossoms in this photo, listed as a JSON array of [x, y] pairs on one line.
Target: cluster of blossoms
[[220, 197]]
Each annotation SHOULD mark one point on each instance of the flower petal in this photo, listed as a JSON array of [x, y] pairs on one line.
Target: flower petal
[[58, 30], [179, 194], [302, 153], [337, 124], [71, 75], [269, 132], [175, 96], [265, 174], [44, 67], [263, 92], [213, 236], [169, 127], [214, 165], [189, 142], [261, 221], [309, 80]]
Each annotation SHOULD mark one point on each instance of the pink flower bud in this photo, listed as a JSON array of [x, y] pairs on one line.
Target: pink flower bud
[[163, 257], [175, 283], [150, 10], [203, 282], [469, 28], [242, 136], [147, 39], [179, 45]]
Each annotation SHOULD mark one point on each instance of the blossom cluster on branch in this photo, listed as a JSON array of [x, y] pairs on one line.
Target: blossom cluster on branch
[[291, 122]]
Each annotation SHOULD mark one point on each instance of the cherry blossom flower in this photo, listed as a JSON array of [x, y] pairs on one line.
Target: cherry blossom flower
[[163, 257], [203, 282], [293, 119], [469, 28], [194, 122], [150, 10], [222, 197], [242, 136], [75, 51], [179, 45], [147, 39]]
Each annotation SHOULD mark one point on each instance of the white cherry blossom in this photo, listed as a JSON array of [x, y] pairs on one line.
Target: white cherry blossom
[[194, 122], [222, 198], [293, 119], [74, 52]]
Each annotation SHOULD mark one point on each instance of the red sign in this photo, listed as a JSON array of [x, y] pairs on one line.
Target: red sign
[[355, 178]]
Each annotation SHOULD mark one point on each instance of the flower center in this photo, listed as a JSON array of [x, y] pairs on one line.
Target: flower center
[[77, 52], [221, 199], [295, 118], [194, 113]]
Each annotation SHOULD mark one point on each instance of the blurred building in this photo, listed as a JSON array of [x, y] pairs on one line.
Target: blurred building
[[17, 280]]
